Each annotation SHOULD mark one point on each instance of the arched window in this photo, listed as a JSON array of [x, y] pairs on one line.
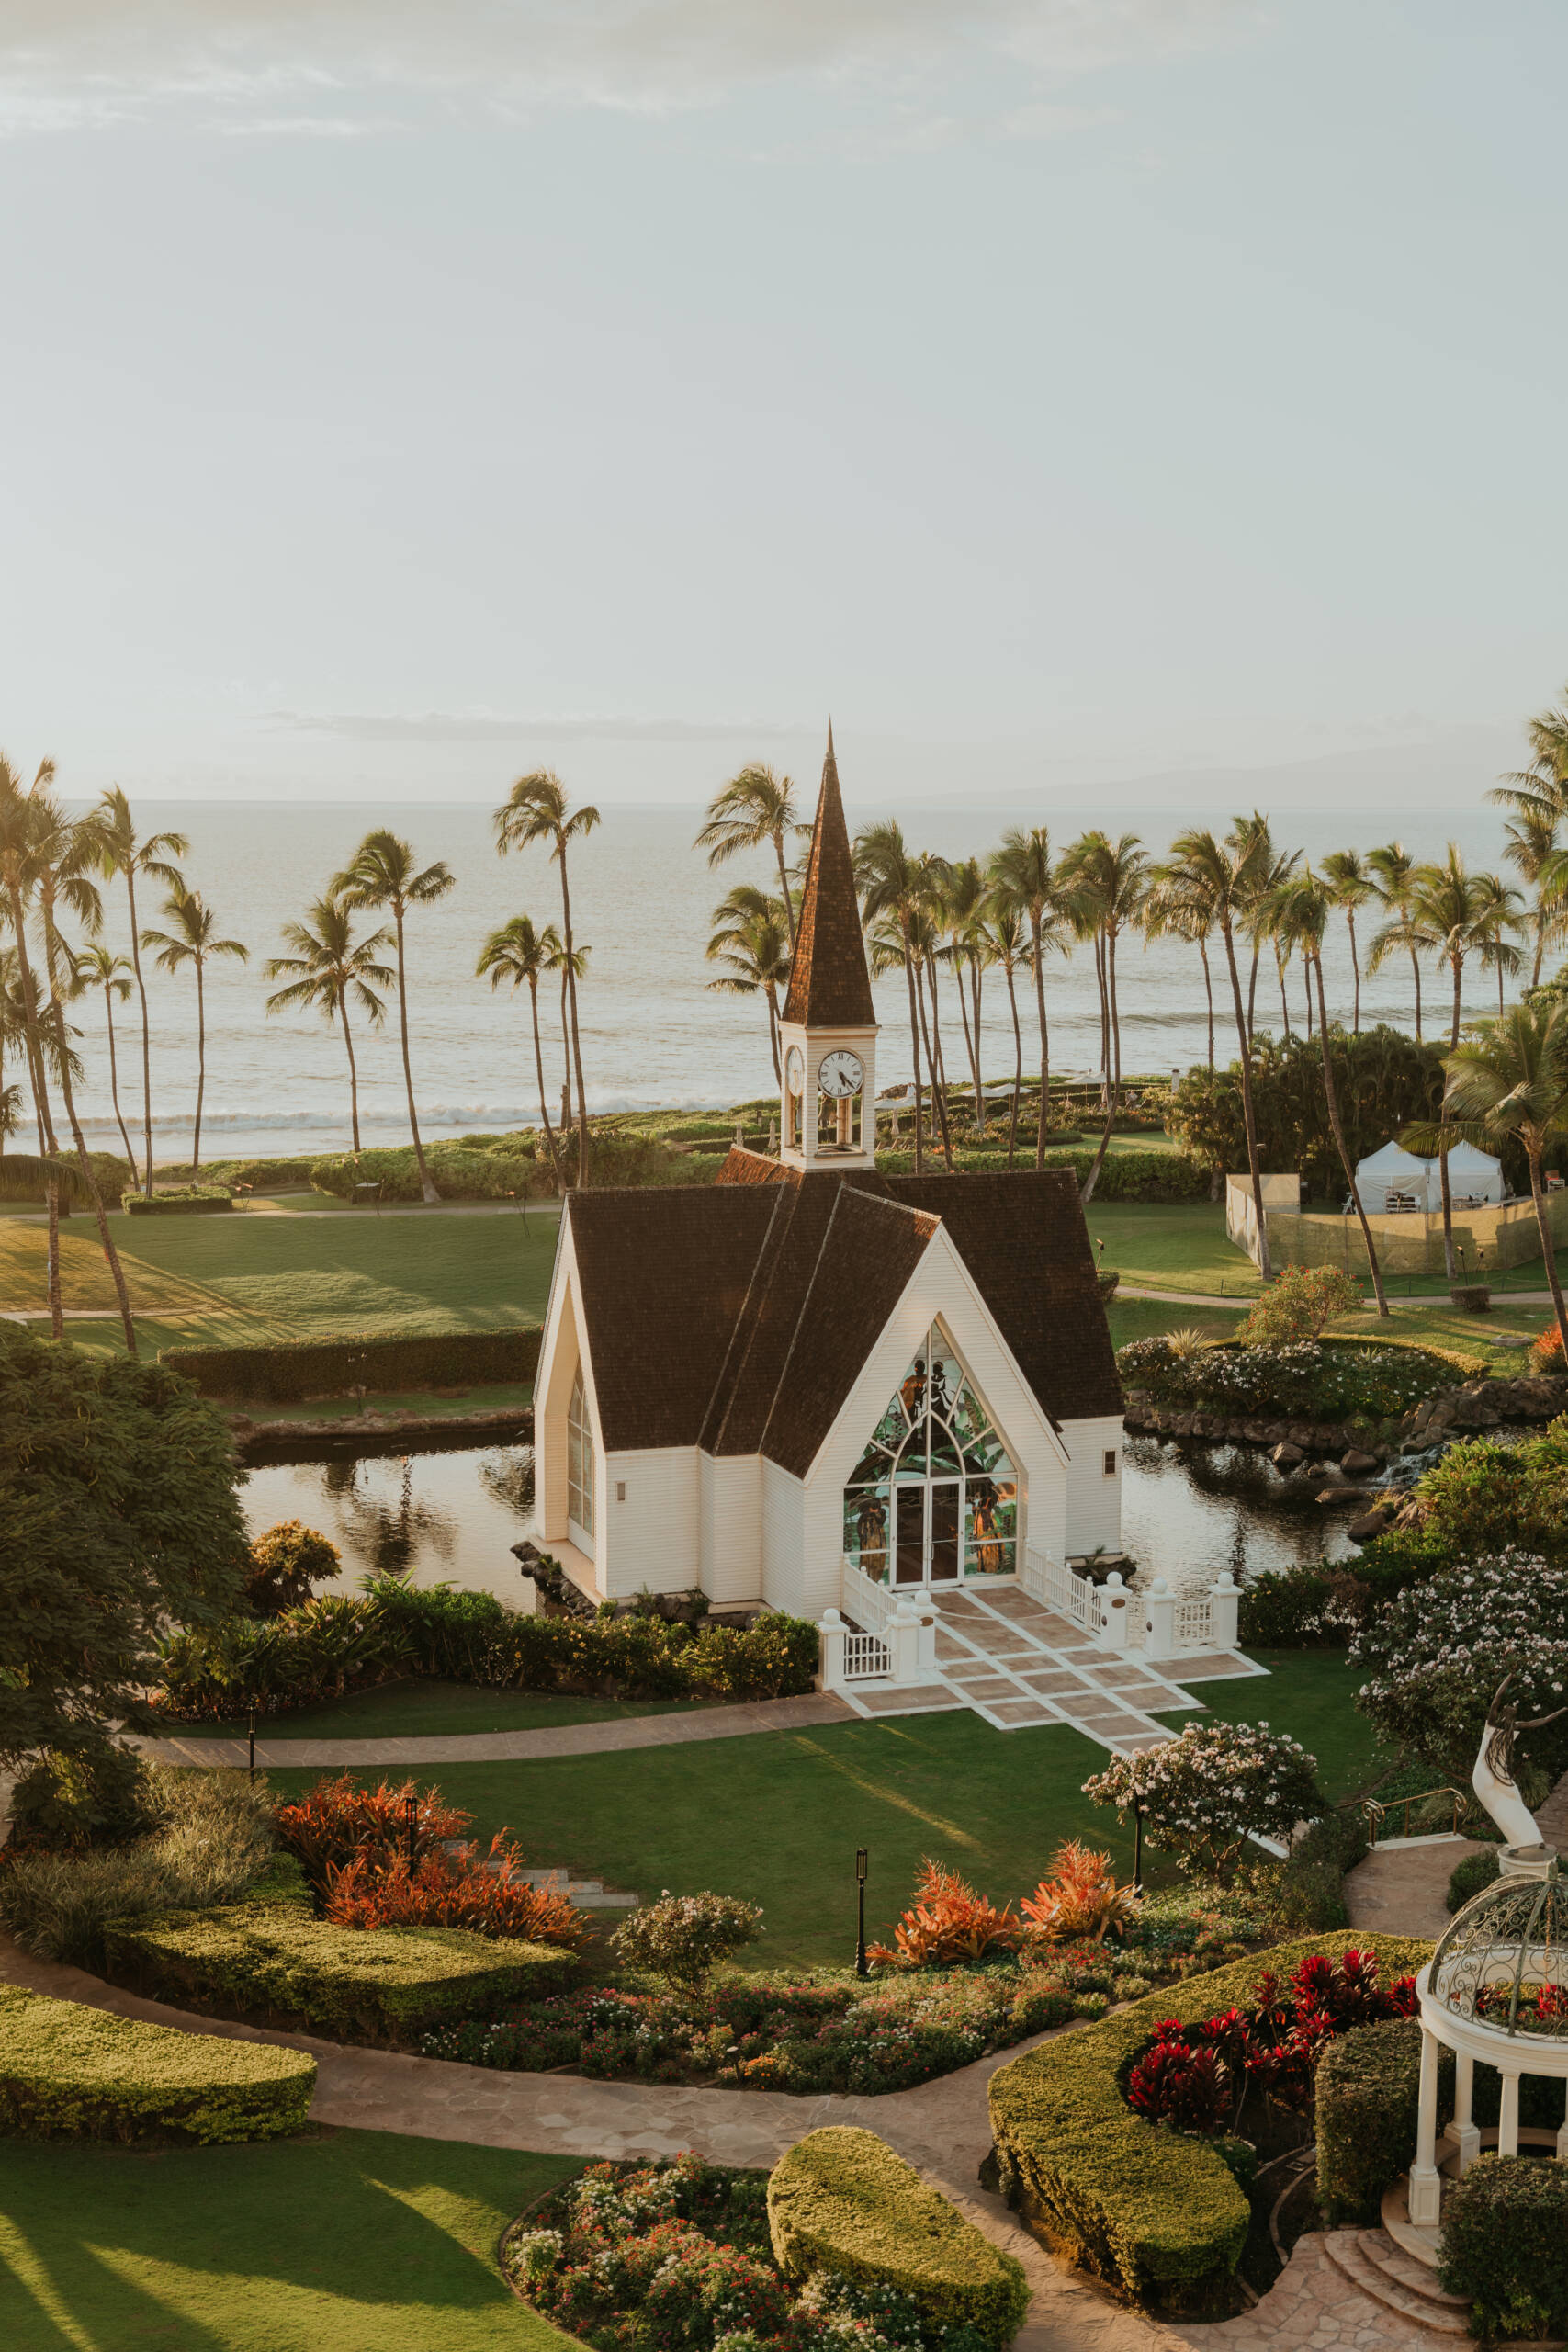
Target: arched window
[[934, 1497], [579, 1459]]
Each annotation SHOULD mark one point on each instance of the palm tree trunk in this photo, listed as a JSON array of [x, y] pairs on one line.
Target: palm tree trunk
[[1017, 1061], [1540, 944], [1209, 993], [1113, 1068], [1104, 1019], [111, 1255], [114, 1082], [969, 1047], [915, 1051], [576, 1033], [773, 1032], [939, 1067], [1547, 1247], [1416, 967], [1044, 1041], [1284, 1000], [1248, 1114], [1252, 994], [428, 1193], [1314, 963], [784, 889], [353, 1069], [38, 1074], [200, 1065], [1355, 973], [146, 1045], [539, 1074], [1443, 1156]]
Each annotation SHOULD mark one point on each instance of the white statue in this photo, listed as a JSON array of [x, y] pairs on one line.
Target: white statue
[[1493, 1779]]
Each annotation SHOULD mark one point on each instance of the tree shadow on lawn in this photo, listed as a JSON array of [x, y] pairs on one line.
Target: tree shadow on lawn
[[334, 2241]]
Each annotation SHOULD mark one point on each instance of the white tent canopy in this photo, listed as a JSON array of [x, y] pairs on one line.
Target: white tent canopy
[[1471, 1173], [1394, 1170]]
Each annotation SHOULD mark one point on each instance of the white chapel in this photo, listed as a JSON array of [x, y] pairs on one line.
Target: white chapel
[[745, 1386]]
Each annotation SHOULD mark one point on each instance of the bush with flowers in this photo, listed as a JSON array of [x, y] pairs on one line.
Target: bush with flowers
[[677, 2256], [682, 1938], [1313, 1380], [1202, 1795], [1437, 1655]]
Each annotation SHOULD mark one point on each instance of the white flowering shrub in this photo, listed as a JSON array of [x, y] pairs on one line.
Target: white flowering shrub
[[1434, 1656], [682, 1938], [1201, 1795]]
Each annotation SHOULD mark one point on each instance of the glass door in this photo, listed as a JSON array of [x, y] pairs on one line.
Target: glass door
[[910, 1551], [944, 1543]]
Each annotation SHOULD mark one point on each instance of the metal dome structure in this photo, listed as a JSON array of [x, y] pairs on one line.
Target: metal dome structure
[[1503, 1962]]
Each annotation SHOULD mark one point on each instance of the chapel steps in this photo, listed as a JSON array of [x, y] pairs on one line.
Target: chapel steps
[[1371, 2261]]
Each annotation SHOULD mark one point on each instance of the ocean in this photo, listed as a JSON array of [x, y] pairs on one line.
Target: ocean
[[655, 1032]]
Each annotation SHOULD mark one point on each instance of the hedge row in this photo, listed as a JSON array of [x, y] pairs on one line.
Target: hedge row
[[1505, 2246], [1162, 2213], [69, 2072], [197, 1199], [292, 1369], [1148, 1176], [841, 2201], [277, 1963], [1311, 1892], [1368, 2083]]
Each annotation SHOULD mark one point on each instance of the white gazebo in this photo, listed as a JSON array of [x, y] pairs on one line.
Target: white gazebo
[[1481, 1996], [1394, 1170]]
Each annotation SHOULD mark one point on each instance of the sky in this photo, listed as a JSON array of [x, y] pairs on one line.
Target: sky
[[1061, 393]]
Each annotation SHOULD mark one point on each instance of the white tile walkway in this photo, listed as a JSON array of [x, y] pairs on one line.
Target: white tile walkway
[[1017, 1663]]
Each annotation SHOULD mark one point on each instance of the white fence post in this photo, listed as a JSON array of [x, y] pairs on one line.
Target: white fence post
[[925, 1647], [832, 1630], [1117, 1616], [902, 1637], [1225, 1604], [1160, 1639]]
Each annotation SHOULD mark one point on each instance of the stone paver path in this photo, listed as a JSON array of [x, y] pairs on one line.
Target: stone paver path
[[1017, 1663]]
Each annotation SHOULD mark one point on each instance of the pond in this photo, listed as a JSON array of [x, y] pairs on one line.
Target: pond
[[450, 1514]]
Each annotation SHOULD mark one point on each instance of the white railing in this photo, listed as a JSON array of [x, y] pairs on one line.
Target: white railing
[[1075, 1598], [870, 1605], [866, 1659], [1194, 1623], [1153, 1620]]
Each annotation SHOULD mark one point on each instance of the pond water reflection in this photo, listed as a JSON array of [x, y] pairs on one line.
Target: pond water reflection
[[449, 1515]]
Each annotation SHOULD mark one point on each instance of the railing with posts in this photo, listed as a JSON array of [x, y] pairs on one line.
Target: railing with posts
[[1194, 1621], [1451, 1805], [868, 1604], [866, 1658]]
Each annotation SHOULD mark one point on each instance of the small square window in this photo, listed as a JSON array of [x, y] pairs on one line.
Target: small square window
[[620, 1490], [1111, 1461]]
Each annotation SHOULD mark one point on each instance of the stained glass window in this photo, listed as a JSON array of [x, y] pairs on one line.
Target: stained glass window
[[579, 1459], [934, 1497]]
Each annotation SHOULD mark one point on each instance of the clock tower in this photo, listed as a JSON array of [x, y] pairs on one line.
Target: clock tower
[[827, 1032]]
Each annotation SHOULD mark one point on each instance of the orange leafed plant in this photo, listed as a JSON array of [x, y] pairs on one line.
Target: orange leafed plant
[[1079, 1898], [1546, 1351], [337, 1819], [948, 1923], [490, 1896]]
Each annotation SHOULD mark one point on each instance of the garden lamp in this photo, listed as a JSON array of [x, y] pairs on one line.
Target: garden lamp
[[253, 1759], [1137, 1847], [861, 1967]]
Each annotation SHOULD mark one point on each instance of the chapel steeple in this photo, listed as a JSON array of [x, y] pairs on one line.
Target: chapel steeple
[[828, 1029]]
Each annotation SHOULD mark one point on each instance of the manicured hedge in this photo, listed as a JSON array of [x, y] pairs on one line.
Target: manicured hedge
[[199, 1200], [1506, 2245], [69, 2072], [279, 1963], [1467, 1879], [292, 1369], [1311, 1883], [840, 2199], [1148, 1176], [1368, 2083], [1161, 2213]]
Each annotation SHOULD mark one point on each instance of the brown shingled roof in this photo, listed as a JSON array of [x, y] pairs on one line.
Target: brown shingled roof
[[829, 986]]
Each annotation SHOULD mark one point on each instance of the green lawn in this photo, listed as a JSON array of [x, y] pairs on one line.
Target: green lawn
[[1182, 1246], [339, 2242], [421, 1710], [776, 1816]]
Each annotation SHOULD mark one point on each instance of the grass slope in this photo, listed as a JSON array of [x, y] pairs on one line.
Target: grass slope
[[1311, 1695], [420, 1710], [351, 2242]]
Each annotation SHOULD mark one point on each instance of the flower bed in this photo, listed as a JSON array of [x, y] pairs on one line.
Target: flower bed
[[1315, 1380], [679, 2258]]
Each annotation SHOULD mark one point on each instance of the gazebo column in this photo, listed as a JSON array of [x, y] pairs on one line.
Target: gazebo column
[[1509, 2117], [1426, 2188], [1463, 2131]]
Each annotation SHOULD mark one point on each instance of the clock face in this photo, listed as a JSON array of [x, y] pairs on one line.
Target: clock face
[[795, 1070], [841, 1073]]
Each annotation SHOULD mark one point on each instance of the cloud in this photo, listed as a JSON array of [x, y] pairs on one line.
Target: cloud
[[486, 727], [67, 63]]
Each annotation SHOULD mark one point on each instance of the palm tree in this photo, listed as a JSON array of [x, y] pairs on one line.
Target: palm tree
[[18, 876], [63, 854], [893, 890], [1541, 789], [191, 939], [1218, 880], [1510, 1082], [755, 807], [518, 952], [537, 810], [1180, 913], [1110, 882], [1302, 916], [384, 872], [1272, 870], [120, 852], [573, 970], [1502, 911], [1350, 882], [1024, 878], [1005, 943], [926, 934], [97, 967], [750, 937], [1393, 872], [964, 898], [1532, 852], [1452, 912], [328, 967]]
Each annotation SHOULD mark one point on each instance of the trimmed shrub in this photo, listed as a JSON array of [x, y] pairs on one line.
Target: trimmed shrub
[[1151, 1176], [67, 1802], [682, 1938], [841, 2201], [68, 2072], [1310, 1890], [291, 1369], [1160, 2213], [1202, 1795], [1471, 1877], [276, 1963], [285, 1564], [193, 1199], [1369, 2084], [1506, 2245]]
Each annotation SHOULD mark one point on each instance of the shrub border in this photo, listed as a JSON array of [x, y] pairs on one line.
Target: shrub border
[[290, 1370]]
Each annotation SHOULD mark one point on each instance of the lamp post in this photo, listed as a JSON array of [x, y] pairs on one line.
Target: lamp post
[[861, 1967], [252, 1741], [411, 1823], [1137, 1847]]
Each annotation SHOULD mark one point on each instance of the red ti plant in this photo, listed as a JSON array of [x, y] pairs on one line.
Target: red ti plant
[[947, 1924], [1175, 2083], [336, 1820], [490, 1896]]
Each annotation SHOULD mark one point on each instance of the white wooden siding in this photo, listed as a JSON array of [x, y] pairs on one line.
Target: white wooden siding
[[1094, 1501], [730, 1503], [651, 1538]]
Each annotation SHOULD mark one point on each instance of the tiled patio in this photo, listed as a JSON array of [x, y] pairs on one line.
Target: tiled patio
[[1017, 1663]]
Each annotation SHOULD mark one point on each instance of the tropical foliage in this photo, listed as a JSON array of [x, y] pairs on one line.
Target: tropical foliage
[[1204, 1795]]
